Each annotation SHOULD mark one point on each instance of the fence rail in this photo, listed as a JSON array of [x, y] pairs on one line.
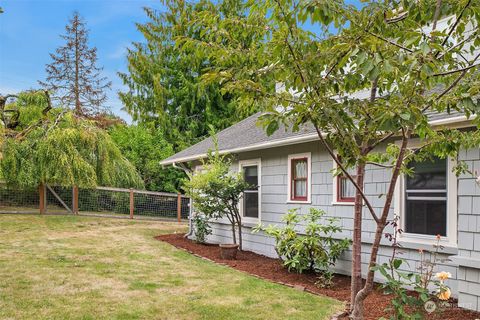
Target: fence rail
[[104, 201]]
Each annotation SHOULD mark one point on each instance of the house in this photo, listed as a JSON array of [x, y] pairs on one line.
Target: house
[[294, 171]]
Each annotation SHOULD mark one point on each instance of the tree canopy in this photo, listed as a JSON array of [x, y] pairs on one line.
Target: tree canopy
[[73, 77], [164, 79], [368, 80], [43, 144], [144, 146]]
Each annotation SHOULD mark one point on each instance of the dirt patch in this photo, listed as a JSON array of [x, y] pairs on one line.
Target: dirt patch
[[271, 269]]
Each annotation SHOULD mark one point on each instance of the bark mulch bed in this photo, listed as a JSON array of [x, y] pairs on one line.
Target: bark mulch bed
[[271, 269]]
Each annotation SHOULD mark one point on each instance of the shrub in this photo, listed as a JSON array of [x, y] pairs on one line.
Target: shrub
[[216, 192], [314, 249], [201, 228]]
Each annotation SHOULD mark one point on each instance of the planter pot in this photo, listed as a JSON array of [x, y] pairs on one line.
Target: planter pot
[[228, 251]]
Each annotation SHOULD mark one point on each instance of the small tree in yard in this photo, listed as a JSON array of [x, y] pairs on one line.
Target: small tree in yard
[[368, 88], [216, 192]]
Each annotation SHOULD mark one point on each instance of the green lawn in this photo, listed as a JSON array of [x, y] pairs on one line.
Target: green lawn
[[58, 267]]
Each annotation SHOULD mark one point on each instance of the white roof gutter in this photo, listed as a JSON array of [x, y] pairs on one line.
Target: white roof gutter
[[453, 120], [461, 121]]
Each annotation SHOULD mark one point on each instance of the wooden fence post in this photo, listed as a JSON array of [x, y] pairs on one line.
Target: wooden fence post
[[41, 193], [75, 200], [179, 208], [131, 203]]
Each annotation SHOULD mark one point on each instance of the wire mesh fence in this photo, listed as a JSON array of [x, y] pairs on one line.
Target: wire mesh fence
[[142, 203], [18, 200], [58, 199], [104, 201], [160, 204]]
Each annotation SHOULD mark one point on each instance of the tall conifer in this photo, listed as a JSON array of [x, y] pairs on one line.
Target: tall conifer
[[73, 77]]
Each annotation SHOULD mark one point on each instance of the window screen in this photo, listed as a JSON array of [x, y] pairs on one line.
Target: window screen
[[426, 198], [250, 196]]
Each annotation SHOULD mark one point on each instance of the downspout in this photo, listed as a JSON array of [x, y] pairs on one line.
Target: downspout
[[182, 167]]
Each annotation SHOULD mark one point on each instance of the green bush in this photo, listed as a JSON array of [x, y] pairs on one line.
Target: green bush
[[216, 192], [201, 228], [314, 249]]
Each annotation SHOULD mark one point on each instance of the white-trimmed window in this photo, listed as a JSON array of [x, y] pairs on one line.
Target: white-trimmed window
[[343, 189], [427, 201], [250, 205], [300, 178]]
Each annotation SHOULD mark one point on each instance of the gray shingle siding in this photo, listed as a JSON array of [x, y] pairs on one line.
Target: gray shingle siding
[[274, 205], [468, 257]]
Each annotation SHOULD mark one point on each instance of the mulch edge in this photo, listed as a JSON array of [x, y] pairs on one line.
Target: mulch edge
[[335, 316]]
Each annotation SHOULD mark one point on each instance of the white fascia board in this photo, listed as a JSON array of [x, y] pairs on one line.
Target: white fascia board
[[452, 120]]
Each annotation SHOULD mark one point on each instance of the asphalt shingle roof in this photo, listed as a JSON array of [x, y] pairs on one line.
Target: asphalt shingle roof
[[247, 133]]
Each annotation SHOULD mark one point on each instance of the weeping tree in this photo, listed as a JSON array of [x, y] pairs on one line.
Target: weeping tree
[[42, 144], [368, 87]]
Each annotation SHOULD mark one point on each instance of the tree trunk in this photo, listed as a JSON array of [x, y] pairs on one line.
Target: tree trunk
[[78, 107], [367, 289], [234, 234], [381, 224], [240, 241], [356, 281]]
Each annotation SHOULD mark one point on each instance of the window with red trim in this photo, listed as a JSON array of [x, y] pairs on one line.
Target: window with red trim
[[345, 189], [299, 179]]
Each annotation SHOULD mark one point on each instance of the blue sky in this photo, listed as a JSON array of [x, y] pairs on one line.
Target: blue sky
[[30, 29]]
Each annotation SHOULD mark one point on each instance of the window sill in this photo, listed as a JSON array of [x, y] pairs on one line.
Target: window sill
[[249, 223], [337, 203], [427, 243], [413, 244], [299, 201]]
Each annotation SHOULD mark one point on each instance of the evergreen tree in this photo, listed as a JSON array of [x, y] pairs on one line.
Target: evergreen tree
[[73, 78], [164, 77]]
